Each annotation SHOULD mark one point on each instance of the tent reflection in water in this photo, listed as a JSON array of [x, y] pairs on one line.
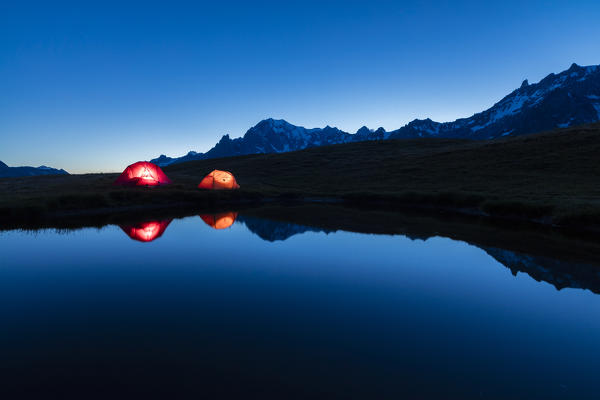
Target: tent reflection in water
[[220, 220], [219, 180], [142, 173], [146, 231]]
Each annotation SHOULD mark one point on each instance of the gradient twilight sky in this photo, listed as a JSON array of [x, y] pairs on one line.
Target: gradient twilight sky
[[95, 87]]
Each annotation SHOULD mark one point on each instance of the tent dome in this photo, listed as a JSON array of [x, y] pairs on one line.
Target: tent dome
[[219, 180], [142, 173], [220, 220]]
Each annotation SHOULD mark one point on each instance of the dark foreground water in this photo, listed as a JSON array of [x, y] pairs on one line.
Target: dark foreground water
[[283, 311]]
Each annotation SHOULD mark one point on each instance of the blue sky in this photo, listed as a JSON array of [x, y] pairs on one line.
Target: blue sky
[[95, 87]]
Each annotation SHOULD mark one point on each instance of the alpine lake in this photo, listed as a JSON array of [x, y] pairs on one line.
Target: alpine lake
[[299, 302]]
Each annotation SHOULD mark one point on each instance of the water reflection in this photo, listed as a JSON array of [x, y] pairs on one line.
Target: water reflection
[[146, 231], [220, 220], [272, 231], [277, 308], [558, 273]]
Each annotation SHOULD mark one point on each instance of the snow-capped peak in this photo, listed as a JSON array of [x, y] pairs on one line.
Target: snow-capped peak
[[559, 100]]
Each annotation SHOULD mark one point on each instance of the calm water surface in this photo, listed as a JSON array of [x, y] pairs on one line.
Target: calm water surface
[[265, 312]]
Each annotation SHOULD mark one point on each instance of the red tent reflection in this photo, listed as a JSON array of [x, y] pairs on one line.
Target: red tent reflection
[[220, 220], [146, 231]]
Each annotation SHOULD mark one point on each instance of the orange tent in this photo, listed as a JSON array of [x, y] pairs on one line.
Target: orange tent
[[142, 173], [146, 231], [221, 220], [219, 180]]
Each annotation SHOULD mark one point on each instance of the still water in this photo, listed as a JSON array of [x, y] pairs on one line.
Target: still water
[[205, 307]]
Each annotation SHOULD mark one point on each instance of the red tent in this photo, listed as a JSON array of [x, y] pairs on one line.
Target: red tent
[[219, 180], [142, 173], [146, 231], [219, 221]]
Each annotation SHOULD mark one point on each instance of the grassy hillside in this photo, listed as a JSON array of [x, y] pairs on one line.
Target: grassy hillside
[[550, 177], [551, 174]]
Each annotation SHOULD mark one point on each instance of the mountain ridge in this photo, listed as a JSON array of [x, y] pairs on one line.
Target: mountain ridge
[[569, 98], [13, 172]]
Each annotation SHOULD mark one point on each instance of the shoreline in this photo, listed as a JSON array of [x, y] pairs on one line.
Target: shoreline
[[99, 216], [32, 214]]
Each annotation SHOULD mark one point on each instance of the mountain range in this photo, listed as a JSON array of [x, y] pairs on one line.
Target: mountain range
[[569, 98], [10, 172]]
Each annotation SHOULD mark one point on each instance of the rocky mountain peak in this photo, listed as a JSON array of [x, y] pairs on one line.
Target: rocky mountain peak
[[569, 98]]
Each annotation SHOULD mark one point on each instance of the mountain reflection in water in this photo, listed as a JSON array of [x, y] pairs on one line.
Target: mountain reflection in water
[[272, 231], [560, 274]]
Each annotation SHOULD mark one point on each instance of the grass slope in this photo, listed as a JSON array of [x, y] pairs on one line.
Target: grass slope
[[554, 174], [551, 177]]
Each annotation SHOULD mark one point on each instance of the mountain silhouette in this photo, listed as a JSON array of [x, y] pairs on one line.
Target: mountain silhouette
[[569, 98]]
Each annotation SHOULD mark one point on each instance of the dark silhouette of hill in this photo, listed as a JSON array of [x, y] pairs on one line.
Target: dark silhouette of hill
[[9, 172]]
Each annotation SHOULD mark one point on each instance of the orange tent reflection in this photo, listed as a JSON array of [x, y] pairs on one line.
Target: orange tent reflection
[[220, 220], [146, 231]]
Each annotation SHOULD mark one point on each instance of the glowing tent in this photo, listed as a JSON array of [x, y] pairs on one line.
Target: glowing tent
[[146, 231], [142, 173], [219, 180], [221, 220]]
